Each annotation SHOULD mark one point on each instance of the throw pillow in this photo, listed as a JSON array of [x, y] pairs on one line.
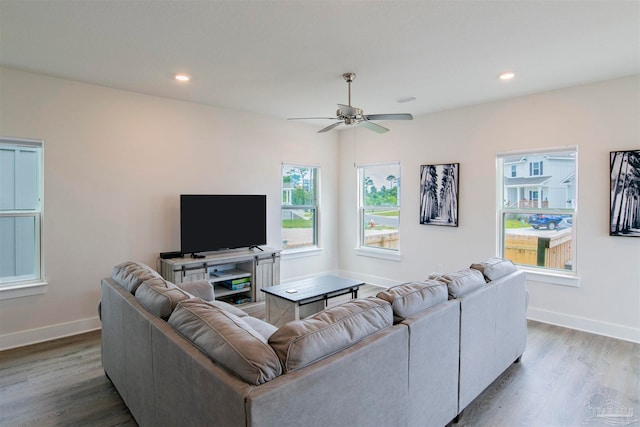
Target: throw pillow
[[227, 340], [131, 274], [410, 298], [303, 342], [160, 297], [462, 282], [495, 268]]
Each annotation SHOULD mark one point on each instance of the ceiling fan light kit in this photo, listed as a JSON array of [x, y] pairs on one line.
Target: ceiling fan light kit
[[349, 115]]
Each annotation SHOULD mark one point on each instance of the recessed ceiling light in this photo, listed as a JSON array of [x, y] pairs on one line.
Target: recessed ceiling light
[[404, 99], [507, 75], [181, 77]]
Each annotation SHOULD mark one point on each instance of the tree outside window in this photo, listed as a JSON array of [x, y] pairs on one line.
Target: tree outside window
[[379, 206], [299, 206]]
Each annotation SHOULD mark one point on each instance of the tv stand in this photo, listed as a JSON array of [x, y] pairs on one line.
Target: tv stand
[[256, 247], [237, 276]]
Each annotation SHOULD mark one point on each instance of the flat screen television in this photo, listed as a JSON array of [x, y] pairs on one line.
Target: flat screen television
[[213, 222]]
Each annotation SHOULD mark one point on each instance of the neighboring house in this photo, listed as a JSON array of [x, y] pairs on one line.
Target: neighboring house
[[287, 190], [542, 181]]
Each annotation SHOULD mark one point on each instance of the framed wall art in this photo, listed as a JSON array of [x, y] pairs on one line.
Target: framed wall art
[[439, 194], [625, 193]]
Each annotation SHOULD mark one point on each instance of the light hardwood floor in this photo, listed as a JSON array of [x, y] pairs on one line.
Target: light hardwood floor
[[566, 378]]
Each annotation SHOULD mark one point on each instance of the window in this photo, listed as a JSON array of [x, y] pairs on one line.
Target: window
[[513, 171], [20, 211], [379, 206], [538, 212], [299, 206], [535, 168]]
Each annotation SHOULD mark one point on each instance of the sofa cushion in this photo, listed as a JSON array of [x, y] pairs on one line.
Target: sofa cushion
[[131, 274], [199, 289], [410, 298], [202, 289], [227, 340], [495, 268], [160, 297], [221, 305], [263, 328], [303, 342], [462, 282]]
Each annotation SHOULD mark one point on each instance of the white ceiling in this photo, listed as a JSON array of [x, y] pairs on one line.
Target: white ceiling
[[286, 58]]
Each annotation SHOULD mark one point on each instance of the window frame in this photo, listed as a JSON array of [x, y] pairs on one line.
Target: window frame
[[361, 248], [538, 273], [19, 286], [315, 206], [536, 168]]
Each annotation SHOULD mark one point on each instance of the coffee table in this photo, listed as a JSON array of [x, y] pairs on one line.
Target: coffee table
[[302, 298]]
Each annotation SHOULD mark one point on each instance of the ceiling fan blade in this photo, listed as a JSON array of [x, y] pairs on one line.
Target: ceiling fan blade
[[347, 110], [328, 128], [374, 126], [399, 116], [355, 116], [312, 118]]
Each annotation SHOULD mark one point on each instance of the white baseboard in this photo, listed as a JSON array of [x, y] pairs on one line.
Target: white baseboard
[[597, 327], [48, 333], [61, 330]]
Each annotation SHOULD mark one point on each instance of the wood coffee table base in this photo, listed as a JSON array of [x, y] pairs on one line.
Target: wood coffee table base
[[279, 311], [297, 300]]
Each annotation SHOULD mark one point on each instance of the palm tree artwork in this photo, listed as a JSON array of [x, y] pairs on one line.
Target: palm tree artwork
[[625, 193], [439, 194]]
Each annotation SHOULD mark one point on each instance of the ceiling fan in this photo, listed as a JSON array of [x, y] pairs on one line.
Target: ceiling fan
[[350, 115]]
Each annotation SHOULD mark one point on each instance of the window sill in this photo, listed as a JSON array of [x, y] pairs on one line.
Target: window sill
[[379, 253], [22, 290], [553, 278], [301, 253]]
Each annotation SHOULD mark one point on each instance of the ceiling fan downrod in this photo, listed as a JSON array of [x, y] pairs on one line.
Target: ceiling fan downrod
[[349, 77]]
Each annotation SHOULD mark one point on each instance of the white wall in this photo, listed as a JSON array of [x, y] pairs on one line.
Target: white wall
[[597, 118], [115, 164], [116, 161]]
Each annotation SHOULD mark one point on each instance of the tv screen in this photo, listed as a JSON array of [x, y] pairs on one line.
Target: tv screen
[[214, 222]]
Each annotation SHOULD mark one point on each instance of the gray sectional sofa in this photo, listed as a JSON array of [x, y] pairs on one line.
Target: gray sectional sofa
[[409, 357]]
